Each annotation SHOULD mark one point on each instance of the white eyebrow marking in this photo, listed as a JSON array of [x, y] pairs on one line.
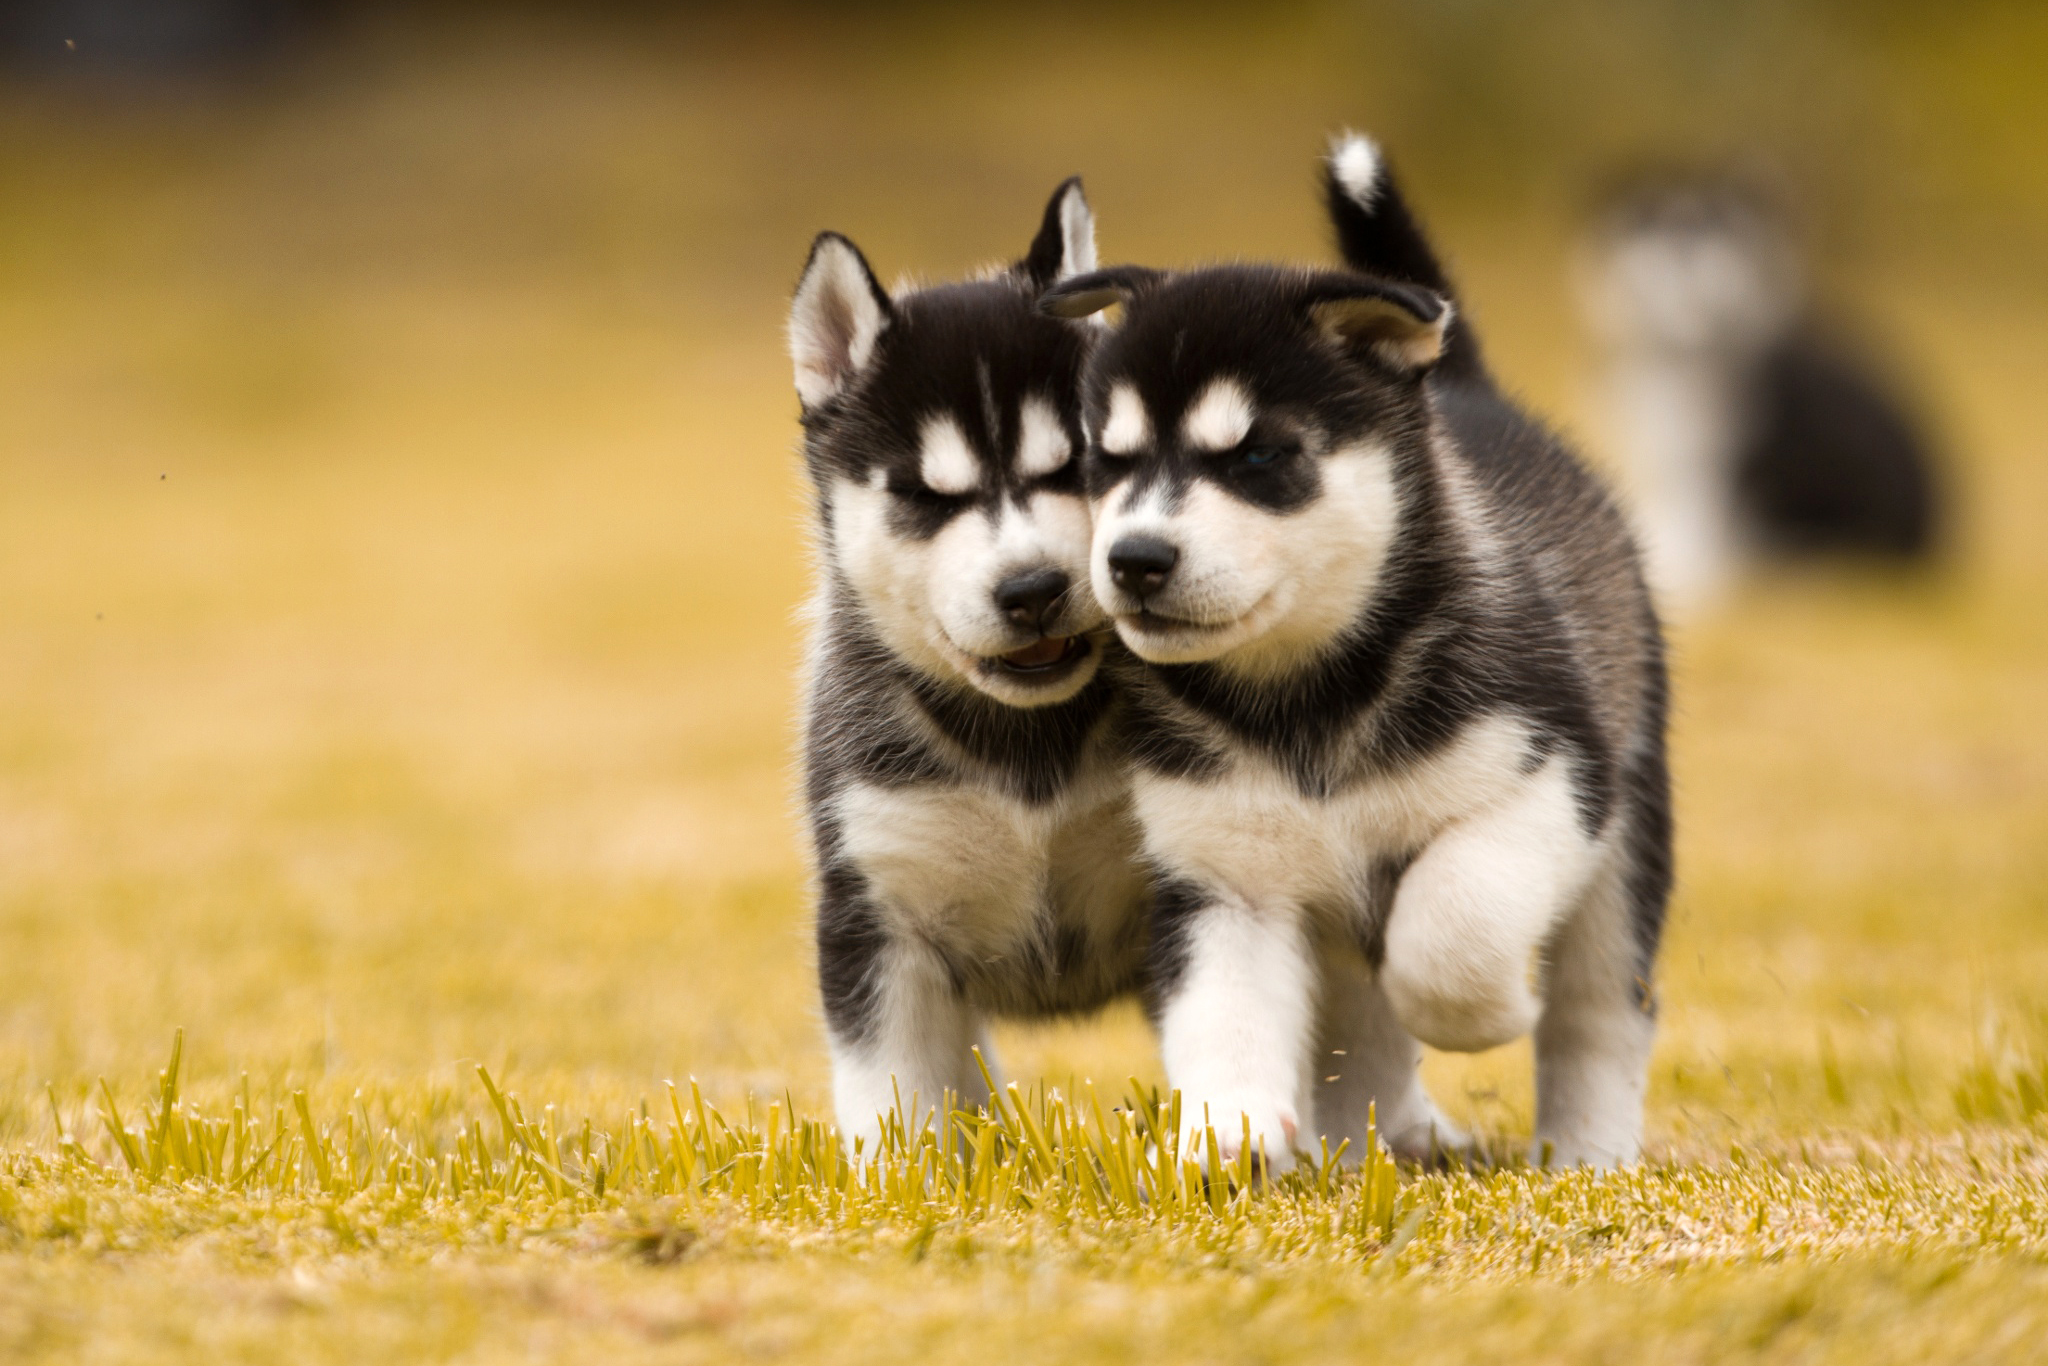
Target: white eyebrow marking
[[945, 461], [1219, 418], [1042, 444], [1127, 428]]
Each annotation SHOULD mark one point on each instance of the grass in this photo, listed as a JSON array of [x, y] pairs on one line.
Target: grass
[[1043, 1220], [398, 546], [432, 1227]]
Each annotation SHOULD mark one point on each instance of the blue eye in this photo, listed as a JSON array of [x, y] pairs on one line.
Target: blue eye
[[1260, 455]]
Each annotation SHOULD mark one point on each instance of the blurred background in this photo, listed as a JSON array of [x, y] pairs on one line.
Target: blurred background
[[401, 534]]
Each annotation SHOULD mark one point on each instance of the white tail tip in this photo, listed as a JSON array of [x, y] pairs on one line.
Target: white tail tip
[[1355, 161]]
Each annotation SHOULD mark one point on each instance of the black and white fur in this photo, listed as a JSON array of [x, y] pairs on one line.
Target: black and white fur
[[969, 812], [1748, 430], [1398, 747]]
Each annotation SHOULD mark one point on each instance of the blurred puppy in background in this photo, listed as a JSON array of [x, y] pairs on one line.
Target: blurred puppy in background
[[967, 804], [1748, 430]]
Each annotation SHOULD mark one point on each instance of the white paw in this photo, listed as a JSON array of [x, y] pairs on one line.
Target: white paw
[[1273, 1127], [1564, 1153], [1425, 1137]]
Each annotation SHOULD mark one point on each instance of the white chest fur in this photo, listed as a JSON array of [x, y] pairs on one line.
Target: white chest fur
[[979, 872], [1254, 834]]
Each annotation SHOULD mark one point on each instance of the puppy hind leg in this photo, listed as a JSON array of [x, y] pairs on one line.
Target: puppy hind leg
[[1593, 1042], [1365, 1063]]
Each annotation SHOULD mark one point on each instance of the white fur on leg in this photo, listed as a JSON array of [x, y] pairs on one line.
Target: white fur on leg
[[1593, 1043], [1365, 1065], [918, 1047], [1236, 1032], [1473, 911]]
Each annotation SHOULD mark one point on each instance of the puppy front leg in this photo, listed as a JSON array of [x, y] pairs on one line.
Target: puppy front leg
[[1475, 908], [1365, 1065], [897, 1025], [1237, 1017]]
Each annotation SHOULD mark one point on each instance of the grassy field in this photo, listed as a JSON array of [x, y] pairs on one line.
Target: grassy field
[[399, 542]]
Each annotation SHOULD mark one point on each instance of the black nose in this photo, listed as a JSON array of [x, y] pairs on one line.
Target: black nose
[[1029, 598], [1139, 564]]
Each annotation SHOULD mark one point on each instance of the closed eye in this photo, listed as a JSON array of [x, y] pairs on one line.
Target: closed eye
[[1261, 454], [1065, 479], [924, 496]]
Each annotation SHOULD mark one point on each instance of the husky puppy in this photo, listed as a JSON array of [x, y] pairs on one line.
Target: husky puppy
[[969, 815], [1749, 429], [1399, 748]]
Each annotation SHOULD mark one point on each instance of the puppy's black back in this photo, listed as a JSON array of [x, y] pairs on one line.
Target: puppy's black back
[[1833, 463]]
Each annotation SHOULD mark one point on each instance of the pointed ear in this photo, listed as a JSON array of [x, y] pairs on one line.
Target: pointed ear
[[1082, 295], [837, 316], [1398, 326], [1065, 244]]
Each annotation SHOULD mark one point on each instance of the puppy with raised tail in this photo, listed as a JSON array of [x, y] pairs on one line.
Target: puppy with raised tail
[[1398, 744], [966, 799]]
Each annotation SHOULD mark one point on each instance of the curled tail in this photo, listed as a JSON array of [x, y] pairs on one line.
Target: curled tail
[[1376, 234]]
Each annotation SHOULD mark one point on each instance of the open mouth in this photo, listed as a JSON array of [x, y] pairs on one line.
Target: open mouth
[[1053, 654]]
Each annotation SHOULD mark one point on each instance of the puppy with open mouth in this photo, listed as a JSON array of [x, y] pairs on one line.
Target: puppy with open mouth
[[1398, 747], [975, 854]]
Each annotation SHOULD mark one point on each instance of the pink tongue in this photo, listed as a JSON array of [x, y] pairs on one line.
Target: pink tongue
[[1037, 656]]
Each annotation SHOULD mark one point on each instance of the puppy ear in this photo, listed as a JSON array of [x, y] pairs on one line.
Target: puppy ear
[[1065, 244], [1082, 295], [837, 316], [1399, 326]]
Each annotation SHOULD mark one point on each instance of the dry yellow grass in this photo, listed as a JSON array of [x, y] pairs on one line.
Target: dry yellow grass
[[399, 542]]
